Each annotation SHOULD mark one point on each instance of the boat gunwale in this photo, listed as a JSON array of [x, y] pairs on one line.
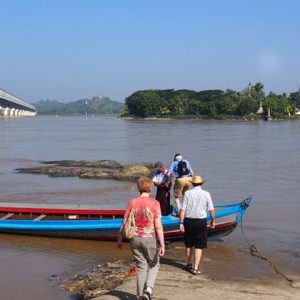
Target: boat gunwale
[[80, 211], [167, 221]]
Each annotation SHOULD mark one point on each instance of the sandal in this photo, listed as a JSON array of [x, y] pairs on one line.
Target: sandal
[[195, 272], [146, 296], [188, 267]]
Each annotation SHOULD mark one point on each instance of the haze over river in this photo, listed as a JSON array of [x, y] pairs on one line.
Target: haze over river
[[237, 158]]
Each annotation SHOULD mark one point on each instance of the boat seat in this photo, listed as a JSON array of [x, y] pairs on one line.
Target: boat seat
[[40, 217], [9, 215], [72, 217]]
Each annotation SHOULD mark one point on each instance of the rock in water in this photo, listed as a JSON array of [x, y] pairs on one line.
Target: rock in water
[[99, 169], [131, 172]]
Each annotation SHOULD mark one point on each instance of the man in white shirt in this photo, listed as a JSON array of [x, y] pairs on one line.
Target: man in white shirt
[[193, 222]]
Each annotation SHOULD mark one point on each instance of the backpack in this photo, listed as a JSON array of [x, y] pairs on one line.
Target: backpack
[[182, 168]]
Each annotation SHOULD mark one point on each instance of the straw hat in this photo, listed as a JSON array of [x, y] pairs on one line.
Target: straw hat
[[197, 180]]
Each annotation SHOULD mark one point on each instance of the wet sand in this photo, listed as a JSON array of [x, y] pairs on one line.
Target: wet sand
[[227, 273]]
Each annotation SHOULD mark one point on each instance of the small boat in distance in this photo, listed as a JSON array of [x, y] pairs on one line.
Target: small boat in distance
[[90, 222]]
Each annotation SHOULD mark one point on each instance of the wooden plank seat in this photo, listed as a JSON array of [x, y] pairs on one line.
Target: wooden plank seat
[[40, 217], [7, 216]]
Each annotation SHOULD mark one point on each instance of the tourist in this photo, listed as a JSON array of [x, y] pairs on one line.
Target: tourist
[[193, 222], [161, 181], [184, 173], [148, 229]]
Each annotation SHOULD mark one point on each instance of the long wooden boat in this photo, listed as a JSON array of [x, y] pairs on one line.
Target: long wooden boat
[[85, 222]]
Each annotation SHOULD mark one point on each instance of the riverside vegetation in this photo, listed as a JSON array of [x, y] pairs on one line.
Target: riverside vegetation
[[96, 106], [185, 104], [212, 104]]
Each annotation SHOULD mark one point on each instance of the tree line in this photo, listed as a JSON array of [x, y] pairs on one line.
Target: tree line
[[94, 106], [211, 103]]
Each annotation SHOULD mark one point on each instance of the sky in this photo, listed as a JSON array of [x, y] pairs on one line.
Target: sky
[[66, 50]]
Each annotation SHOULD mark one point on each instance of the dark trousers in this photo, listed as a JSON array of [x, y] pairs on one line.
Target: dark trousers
[[163, 197], [195, 233]]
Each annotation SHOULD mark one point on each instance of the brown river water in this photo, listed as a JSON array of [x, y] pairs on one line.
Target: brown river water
[[237, 158]]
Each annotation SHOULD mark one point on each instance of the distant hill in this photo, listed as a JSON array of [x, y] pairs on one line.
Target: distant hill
[[94, 106]]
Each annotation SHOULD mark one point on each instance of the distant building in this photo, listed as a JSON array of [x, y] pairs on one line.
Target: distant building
[[98, 98], [260, 111], [249, 89]]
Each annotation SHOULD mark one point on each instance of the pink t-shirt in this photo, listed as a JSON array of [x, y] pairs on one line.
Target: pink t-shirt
[[146, 209]]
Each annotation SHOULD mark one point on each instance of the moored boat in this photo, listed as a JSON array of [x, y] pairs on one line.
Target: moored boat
[[86, 222]]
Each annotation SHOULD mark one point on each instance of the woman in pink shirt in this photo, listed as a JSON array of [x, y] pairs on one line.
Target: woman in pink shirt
[[148, 230]]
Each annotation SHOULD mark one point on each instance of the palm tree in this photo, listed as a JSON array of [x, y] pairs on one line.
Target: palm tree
[[259, 91]]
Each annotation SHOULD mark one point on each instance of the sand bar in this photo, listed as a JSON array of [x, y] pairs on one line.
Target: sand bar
[[227, 273]]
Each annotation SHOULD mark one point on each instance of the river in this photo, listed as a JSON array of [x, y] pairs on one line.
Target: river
[[237, 158]]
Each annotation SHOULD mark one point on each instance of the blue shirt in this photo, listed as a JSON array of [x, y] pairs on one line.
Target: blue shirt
[[174, 168]]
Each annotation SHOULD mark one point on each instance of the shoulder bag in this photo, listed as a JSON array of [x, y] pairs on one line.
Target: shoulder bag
[[129, 227]]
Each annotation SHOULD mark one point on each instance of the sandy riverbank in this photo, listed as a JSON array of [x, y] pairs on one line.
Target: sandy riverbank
[[227, 273]]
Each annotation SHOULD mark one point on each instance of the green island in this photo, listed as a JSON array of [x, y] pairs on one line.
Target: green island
[[250, 104]]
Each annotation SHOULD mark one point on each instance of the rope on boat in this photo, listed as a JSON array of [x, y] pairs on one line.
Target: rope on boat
[[256, 253]]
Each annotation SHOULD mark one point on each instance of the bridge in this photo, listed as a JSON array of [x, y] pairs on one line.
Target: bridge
[[11, 106]]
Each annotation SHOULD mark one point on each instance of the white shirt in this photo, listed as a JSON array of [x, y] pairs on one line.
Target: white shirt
[[160, 177], [196, 203]]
